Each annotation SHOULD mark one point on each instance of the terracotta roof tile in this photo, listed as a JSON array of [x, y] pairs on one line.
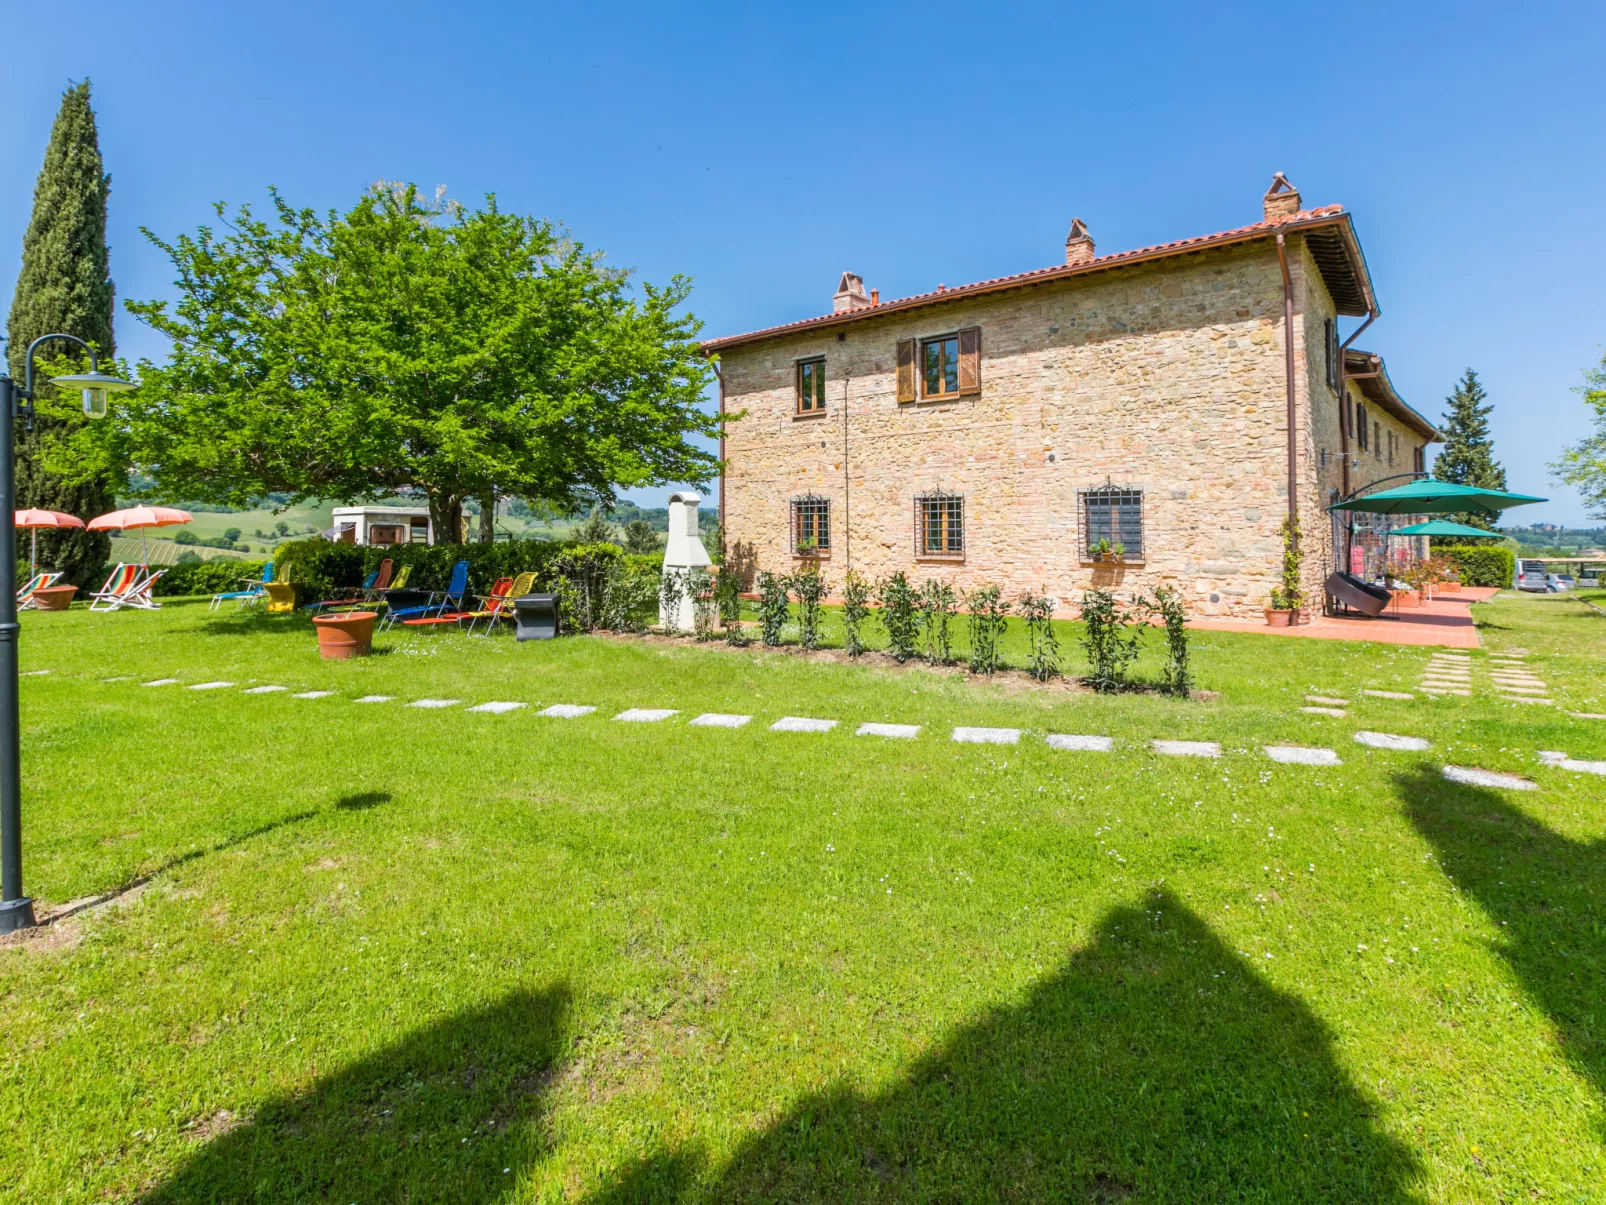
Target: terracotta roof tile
[[1306, 217]]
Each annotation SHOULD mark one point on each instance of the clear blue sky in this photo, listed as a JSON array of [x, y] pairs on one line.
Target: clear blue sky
[[762, 149]]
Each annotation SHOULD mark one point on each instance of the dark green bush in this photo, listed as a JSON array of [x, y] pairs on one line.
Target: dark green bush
[[987, 611], [1043, 657], [897, 598], [773, 609], [808, 585], [320, 566], [204, 577], [855, 610], [1110, 646], [1481, 565]]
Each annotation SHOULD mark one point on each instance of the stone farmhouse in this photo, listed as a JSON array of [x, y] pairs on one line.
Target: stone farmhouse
[[1172, 403]]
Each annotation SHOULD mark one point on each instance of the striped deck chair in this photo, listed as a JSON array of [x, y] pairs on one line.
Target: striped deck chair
[[37, 582], [498, 602], [118, 583], [139, 594]]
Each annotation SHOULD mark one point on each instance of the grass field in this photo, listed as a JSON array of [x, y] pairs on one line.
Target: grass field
[[380, 953]]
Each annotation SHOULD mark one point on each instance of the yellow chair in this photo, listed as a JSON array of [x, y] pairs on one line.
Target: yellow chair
[[496, 606]]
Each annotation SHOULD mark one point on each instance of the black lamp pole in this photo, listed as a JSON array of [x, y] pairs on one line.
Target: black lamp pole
[[16, 909]]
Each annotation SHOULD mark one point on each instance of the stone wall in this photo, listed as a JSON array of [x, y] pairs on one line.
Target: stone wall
[[1167, 377]]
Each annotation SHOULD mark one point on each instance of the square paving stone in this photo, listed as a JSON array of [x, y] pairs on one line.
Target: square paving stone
[[163, 682], [715, 719], [496, 708], [1335, 712], [434, 704], [645, 715], [566, 711], [987, 736], [313, 694], [211, 685], [1587, 715], [1328, 700], [798, 723], [1582, 767], [1388, 740], [897, 732], [1387, 694], [1445, 690], [1186, 748], [1080, 744], [375, 699], [1526, 699], [263, 690], [1299, 755], [1472, 777]]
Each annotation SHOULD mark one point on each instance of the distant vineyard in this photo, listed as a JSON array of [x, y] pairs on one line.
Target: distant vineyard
[[165, 552]]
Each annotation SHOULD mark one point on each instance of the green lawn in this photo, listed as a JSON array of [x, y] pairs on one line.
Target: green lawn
[[391, 954]]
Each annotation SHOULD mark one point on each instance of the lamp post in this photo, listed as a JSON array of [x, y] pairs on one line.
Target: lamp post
[[16, 909]]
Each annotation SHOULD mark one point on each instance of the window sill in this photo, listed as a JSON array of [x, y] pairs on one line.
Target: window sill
[[800, 415], [950, 558], [1121, 564], [811, 556], [941, 400]]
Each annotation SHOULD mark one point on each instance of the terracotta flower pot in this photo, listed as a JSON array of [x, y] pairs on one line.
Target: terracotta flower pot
[[54, 598], [349, 634], [1278, 619]]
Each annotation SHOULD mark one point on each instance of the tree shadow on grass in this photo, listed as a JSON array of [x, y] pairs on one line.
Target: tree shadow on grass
[[1155, 1065], [392, 1126], [1546, 892], [361, 801]]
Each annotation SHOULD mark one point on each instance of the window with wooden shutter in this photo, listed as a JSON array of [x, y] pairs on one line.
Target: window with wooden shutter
[[1360, 426], [970, 360], [906, 370]]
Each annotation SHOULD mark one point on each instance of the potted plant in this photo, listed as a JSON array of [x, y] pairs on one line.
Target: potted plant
[[53, 598], [1106, 553], [345, 634], [1283, 610]]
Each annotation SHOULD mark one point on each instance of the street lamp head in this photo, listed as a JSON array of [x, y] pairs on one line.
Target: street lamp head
[[96, 386]]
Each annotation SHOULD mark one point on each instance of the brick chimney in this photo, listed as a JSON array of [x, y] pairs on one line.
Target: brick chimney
[[1078, 244], [849, 294], [1281, 199]]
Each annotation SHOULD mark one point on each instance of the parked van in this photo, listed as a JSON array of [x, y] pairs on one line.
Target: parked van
[[1531, 576]]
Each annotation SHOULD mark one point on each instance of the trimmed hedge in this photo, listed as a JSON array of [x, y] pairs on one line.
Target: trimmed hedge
[[1481, 565], [204, 577], [323, 566]]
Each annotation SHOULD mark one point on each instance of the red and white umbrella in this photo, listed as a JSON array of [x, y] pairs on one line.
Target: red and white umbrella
[[35, 519], [140, 517]]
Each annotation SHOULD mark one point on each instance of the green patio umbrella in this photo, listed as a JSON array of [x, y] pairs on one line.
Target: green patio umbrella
[[1431, 497], [1443, 527]]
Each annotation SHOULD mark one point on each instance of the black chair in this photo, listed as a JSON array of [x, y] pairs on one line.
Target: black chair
[[535, 616]]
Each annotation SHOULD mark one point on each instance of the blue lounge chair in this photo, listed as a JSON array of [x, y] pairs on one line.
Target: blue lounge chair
[[448, 601], [252, 593]]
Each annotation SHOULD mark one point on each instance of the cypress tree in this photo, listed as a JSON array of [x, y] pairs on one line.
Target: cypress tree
[[1468, 455], [64, 286]]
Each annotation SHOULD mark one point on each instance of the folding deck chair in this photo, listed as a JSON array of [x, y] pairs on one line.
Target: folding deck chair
[[498, 604], [443, 606], [118, 583], [254, 590], [38, 581], [379, 579]]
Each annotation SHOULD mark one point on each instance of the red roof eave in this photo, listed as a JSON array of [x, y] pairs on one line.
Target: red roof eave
[[1307, 219]]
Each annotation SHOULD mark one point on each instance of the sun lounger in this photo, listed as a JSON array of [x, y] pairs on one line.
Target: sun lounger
[[254, 590], [38, 581], [441, 605], [119, 582]]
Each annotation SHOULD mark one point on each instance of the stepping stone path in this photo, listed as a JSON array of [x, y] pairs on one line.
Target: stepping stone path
[[1471, 777], [211, 685], [715, 719], [644, 715], [987, 736], [1296, 755], [1080, 744], [1388, 694], [1186, 748], [163, 682], [123, 678], [1327, 700], [1337, 713], [497, 708], [798, 723], [897, 732], [374, 699], [1387, 740], [313, 694], [567, 711], [434, 704], [263, 690]]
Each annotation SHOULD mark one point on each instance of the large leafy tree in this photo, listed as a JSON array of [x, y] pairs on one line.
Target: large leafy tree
[[411, 345], [1468, 454], [65, 286], [1583, 465]]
